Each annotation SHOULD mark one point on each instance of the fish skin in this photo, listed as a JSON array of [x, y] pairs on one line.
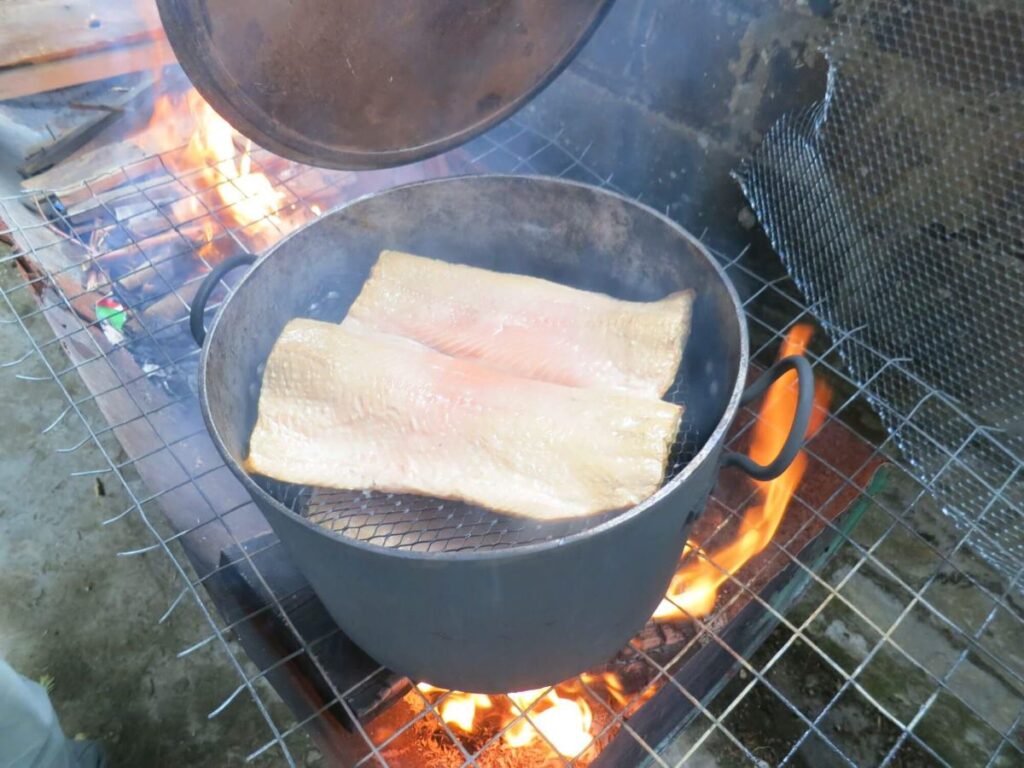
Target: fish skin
[[527, 326], [351, 409]]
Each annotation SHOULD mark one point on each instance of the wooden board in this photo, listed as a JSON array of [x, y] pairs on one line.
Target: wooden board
[[104, 159], [50, 44], [36, 31], [47, 154], [86, 67]]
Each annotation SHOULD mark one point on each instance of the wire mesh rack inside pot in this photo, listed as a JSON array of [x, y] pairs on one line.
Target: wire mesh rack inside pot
[[426, 524], [900, 647]]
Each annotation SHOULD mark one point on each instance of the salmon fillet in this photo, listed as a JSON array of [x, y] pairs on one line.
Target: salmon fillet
[[348, 409], [527, 326]]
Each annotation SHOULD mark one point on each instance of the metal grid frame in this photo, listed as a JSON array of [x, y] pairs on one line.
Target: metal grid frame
[[516, 148]]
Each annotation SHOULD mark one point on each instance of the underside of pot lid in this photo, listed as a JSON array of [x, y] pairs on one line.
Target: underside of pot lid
[[358, 85]]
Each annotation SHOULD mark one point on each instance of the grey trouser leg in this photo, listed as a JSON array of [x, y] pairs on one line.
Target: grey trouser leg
[[30, 734]]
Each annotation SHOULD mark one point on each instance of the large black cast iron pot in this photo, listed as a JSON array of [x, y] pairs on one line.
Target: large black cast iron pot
[[453, 594]]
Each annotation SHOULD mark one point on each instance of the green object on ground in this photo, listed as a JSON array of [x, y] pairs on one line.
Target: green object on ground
[[111, 311]]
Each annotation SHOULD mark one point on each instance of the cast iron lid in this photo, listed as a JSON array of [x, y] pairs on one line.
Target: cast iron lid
[[372, 83]]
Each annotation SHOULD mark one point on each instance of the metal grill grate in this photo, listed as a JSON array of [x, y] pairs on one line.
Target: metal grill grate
[[903, 650]]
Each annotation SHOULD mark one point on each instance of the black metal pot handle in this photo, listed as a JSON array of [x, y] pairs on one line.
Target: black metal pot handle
[[801, 419], [195, 317]]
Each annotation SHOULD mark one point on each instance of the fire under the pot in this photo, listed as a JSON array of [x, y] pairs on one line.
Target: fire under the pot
[[576, 718]]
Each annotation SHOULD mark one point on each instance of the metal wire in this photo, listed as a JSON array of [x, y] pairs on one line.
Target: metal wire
[[839, 599], [896, 203]]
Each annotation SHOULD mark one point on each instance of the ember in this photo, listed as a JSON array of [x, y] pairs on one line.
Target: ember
[[563, 721]]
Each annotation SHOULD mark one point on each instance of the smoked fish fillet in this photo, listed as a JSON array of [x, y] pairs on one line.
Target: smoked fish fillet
[[348, 409], [526, 326]]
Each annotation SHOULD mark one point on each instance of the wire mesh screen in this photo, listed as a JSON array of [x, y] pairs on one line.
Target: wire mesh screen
[[897, 204]]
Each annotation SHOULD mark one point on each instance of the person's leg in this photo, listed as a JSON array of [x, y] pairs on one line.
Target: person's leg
[[30, 734]]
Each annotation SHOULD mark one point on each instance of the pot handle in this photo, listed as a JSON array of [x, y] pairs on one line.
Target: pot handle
[[195, 317], [801, 419]]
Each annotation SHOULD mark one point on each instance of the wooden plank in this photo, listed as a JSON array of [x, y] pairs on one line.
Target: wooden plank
[[36, 31], [148, 54], [91, 164], [46, 155], [87, 166]]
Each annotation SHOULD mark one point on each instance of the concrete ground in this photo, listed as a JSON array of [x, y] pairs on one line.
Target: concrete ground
[[76, 615]]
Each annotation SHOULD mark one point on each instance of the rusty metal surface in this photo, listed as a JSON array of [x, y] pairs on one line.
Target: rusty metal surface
[[355, 84]]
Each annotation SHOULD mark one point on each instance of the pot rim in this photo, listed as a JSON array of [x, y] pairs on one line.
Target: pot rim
[[703, 455]]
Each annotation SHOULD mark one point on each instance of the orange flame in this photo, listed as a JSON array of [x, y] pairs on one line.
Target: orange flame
[[248, 196], [694, 588], [563, 721]]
